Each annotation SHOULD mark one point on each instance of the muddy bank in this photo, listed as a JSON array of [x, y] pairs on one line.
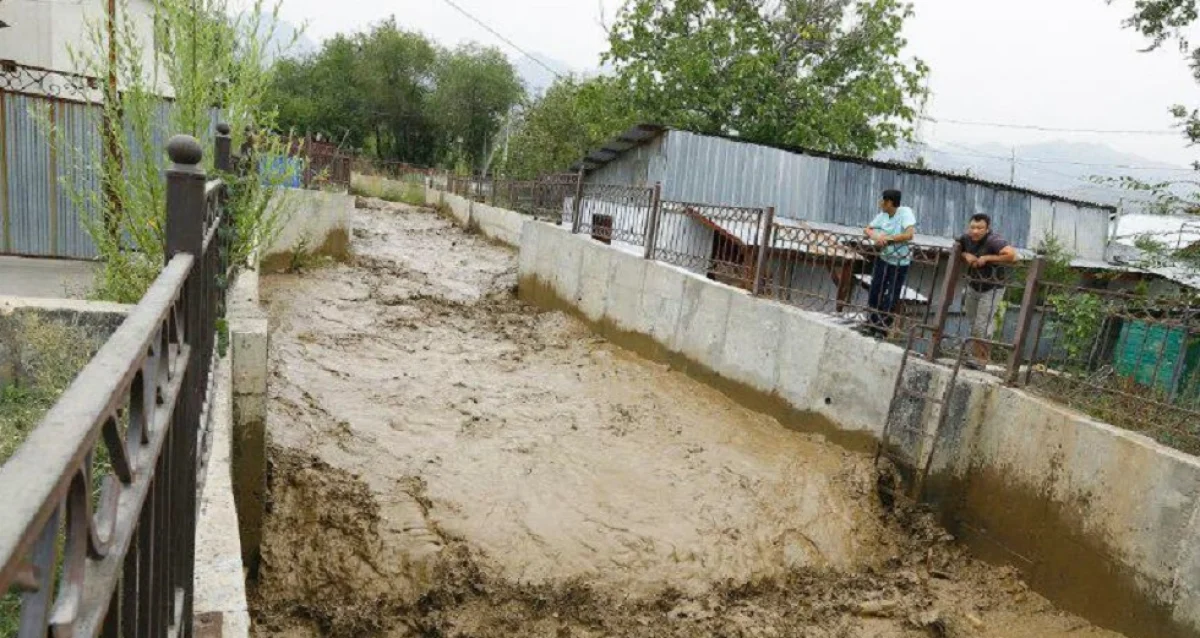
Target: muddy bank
[[447, 461]]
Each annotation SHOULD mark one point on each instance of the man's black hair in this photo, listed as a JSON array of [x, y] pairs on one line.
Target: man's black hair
[[893, 196], [980, 217]]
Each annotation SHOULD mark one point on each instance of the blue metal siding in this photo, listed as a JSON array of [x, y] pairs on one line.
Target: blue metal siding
[[49, 197], [716, 170]]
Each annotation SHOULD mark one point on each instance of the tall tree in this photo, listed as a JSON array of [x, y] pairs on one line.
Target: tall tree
[[476, 89], [572, 117], [828, 74]]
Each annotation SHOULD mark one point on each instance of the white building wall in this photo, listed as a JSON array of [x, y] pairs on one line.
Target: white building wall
[[42, 33]]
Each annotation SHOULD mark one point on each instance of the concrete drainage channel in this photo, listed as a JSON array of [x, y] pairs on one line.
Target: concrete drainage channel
[[448, 460]]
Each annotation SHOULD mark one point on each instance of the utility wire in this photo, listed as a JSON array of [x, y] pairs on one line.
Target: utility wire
[[510, 43], [1050, 129]]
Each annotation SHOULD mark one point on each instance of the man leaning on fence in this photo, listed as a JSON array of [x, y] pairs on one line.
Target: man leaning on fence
[[891, 232], [986, 255]]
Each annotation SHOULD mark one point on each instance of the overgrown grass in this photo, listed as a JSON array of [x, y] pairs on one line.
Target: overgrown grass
[[406, 192], [47, 356]]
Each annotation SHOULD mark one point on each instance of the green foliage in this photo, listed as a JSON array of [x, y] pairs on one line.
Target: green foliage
[[208, 59], [572, 117], [1058, 258], [1078, 318], [476, 88], [826, 75], [396, 95], [48, 355]]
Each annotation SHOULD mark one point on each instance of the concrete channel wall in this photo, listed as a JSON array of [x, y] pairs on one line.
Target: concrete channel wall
[[313, 223], [504, 226], [1101, 520]]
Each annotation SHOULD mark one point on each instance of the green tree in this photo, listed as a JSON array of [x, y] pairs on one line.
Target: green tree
[[394, 72], [476, 89], [572, 117], [817, 73]]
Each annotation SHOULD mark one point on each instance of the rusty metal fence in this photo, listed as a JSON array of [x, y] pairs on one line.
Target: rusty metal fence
[[99, 503], [720, 242], [1130, 359]]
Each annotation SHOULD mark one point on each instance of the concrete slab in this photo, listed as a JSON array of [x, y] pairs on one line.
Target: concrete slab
[[624, 305], [46, 278], [219, 580], [751, 349], [855, 380], [531, 235], [567, 275], [594, 277], [700, 335], [662, 299], [802, 342]]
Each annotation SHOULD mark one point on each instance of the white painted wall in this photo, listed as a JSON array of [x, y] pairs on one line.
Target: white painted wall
[[42, 33]]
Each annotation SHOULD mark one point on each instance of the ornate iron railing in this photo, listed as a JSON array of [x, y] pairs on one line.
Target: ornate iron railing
[[34, 80], [133, 423]]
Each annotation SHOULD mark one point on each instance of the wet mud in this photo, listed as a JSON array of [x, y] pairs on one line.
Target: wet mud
[[448, 461]]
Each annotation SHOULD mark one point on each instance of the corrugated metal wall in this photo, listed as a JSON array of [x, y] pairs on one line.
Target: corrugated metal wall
[[39, 216], [714, 170]]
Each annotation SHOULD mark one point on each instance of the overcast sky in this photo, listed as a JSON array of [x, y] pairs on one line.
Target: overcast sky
[[1052, 63]]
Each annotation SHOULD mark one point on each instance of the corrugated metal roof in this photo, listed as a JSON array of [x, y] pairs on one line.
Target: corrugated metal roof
[[642, 133]]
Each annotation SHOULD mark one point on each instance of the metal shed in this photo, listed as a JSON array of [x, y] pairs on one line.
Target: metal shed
[[809, 185]]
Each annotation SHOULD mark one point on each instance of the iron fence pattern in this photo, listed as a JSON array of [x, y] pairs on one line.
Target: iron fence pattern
[[890, 288], [109, 476], [615, 213], [719, 242]]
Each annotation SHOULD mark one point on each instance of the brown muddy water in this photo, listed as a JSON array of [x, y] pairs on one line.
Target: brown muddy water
[[447, 461]]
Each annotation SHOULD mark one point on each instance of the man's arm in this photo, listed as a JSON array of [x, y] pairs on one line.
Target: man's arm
[[907, 235], [1007, 255]]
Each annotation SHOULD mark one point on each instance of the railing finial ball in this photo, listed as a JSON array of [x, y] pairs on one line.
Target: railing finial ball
[[223, 128], [184, 150]]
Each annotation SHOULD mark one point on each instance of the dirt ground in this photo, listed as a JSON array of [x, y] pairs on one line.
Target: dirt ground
[[447, 461]]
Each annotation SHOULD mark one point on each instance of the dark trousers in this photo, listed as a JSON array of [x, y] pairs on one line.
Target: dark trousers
[[887, 284]]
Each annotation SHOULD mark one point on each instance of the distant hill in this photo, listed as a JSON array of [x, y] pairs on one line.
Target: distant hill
[[1062, 168]]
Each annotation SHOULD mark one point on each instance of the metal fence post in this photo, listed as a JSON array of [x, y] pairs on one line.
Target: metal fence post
[[576, 204], [1025, 320], [185, 197], [185, 234], [764, 247], [651, 233], [949, 287], [223, 148]]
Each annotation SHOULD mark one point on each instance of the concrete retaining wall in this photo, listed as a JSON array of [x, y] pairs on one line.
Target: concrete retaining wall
[[315, 223], [1102, 521], [90, 320], [248, 346], [501, 225]]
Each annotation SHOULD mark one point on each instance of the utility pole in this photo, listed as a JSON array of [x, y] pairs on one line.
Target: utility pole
[[113, 162], [1012, 170]]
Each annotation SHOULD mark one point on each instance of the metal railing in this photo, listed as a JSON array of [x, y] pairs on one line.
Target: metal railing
[[109, 476], [615, 213], [891, 288], [1130, 359], [1007, 321], [720, 242]]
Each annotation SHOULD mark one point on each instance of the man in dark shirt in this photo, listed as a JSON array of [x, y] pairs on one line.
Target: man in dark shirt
[[986, 255]]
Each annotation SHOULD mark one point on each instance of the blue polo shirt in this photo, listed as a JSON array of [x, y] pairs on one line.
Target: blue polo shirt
[[895, 254]]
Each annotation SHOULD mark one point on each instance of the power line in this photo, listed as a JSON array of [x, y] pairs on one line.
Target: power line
[[1051, 129], [510, 43]]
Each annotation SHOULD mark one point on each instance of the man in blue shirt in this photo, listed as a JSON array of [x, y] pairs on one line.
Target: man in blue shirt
[[891, 232]]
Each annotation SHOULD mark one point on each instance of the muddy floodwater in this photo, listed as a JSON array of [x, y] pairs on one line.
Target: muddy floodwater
[[447, 461]]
